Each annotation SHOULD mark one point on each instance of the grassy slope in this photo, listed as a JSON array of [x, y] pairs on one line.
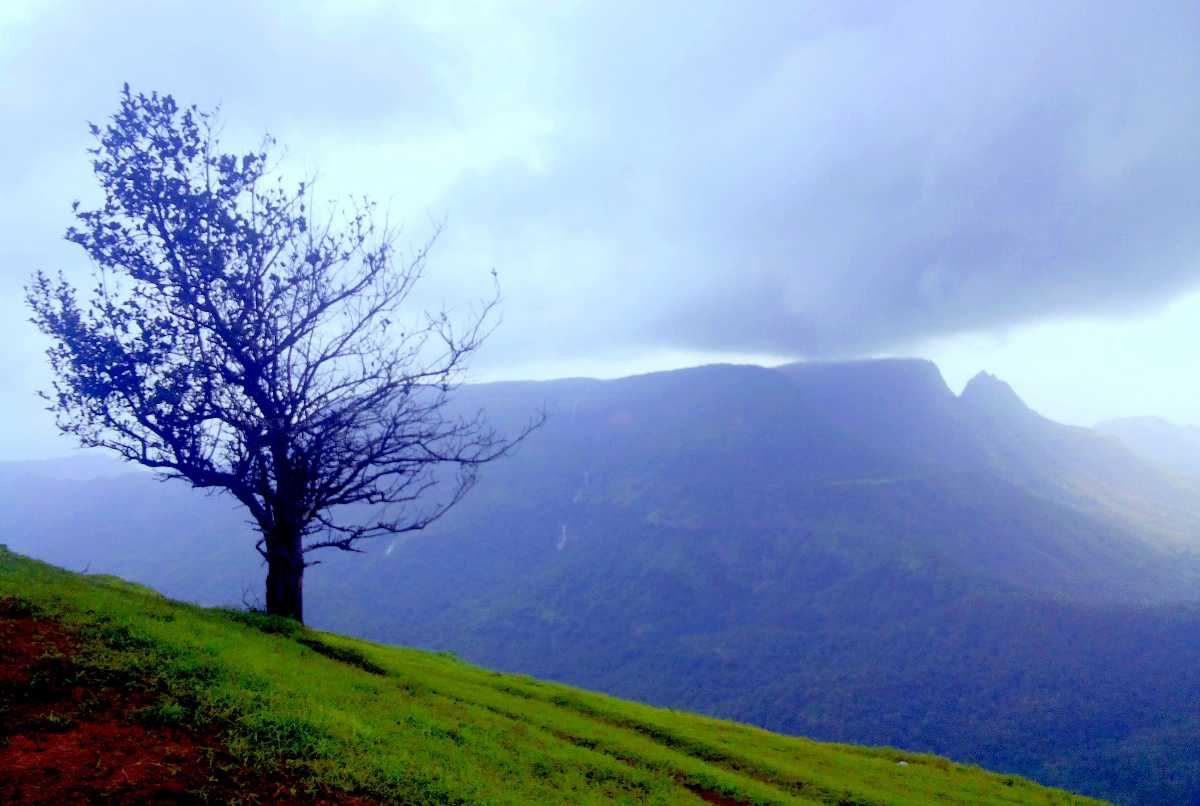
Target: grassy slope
[[419, 727]]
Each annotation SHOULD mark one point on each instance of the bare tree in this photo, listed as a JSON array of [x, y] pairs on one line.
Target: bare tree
[[233, 341]]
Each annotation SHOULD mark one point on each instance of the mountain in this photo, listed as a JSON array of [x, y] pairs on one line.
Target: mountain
[[1175, 447], [81, 466], [847, 551], [224, 705], [185, 543]]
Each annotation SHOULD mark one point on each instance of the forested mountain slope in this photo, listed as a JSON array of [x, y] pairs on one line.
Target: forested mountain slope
[[844, 550]]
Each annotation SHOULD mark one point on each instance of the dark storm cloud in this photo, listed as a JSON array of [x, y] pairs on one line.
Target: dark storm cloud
[[830, 184]]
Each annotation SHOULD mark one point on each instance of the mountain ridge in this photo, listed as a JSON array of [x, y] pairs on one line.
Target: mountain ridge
[[1171, 446], [843, 550]]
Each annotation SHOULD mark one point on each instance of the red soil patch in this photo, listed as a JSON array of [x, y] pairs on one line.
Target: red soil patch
[[708, 796], [62, 743]]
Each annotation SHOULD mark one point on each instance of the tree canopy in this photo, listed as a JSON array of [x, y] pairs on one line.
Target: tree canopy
[[236, 339]]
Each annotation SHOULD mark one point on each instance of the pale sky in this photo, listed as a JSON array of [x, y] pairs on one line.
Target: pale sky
[[1010, 187]]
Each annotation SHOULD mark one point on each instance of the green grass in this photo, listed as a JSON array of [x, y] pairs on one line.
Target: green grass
[[420, 727]]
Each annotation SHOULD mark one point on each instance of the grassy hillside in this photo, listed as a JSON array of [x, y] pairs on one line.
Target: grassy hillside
[[392, 724]]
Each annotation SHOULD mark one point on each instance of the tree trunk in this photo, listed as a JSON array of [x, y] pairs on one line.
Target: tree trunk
[[285, 574]]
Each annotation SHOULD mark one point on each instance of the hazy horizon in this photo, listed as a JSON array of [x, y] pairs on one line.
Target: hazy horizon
[[62, 448]]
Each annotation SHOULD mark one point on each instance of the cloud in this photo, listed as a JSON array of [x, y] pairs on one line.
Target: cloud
[[798, 179], [859, 181]]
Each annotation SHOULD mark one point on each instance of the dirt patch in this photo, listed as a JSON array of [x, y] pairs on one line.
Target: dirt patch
[[709, 796], [62, 742]]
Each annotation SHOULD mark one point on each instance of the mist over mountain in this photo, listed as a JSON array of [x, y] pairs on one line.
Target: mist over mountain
[[80, 466], [845, 550], [1176, 447]]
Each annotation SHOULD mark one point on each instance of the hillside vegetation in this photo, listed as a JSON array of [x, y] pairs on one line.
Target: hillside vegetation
[[393, 724], [846, 551]]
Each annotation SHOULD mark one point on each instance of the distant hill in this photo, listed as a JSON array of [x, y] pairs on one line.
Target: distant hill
[[222, 705], [1176, 447], [81, 466], [843, 550]]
